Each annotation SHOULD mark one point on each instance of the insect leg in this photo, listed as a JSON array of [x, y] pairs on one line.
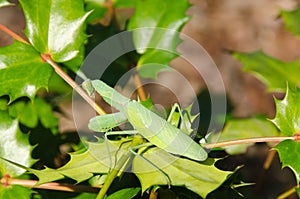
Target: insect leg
[[132, 150], [129, 132]]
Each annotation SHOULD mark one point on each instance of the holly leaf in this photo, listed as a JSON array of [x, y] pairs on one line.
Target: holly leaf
[[288, 151], [181, 172], [242, 129], [29, 113], [22, 71], [287, 117], [53, 28], [96, 160], [127, 193], [291, 20], [274, 73], [14, 146], [5, 3], [15, 191], [159, 30]]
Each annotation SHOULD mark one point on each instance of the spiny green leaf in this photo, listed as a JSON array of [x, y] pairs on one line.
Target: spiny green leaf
[[22, 71], [15, 191], [274, 73], [287, 117], [5, 3], [127, 193], [241, 129], [148, 16], [55, 27], [288, 151], [202, 178], [28, 113], [14, 146], [82, 166], [291, 20]]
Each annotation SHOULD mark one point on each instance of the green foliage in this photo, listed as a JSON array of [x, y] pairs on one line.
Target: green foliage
[[287, 150], [4, 3], [58, 28], [29, 113], [97, 7], [15, 191], [202, 178], [125, 193], [291, 20], [16, 80], [273, 72], [164, 34], [244, 128], [14, 145], [53, 28], [288, 112]]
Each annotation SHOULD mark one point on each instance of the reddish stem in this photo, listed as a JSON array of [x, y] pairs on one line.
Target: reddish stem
[[7, 181], [13, 34], [251, 140], [47, 58]]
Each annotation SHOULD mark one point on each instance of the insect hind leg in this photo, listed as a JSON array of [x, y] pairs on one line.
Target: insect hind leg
[[132, 150]]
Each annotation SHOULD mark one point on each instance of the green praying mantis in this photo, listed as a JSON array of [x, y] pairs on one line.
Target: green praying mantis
[[149, 125]]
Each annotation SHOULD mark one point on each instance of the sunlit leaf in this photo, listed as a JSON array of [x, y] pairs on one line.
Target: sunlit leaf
[[291, 20], [15, 191], [124, 193], [148, 16], [288, 152], [287, 117], [55, 27], [14, 146], [274, 73], [22, 71], [237, 129], [96, 160], [202, 178], [4, 3]]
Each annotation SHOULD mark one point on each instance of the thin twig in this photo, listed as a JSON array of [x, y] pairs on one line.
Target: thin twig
[[269, 159], [50, 186], [249, 140], [288, 192], [13, 34], [139, 87], [73, 84]]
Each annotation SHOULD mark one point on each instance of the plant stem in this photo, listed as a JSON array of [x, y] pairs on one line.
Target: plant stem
[[250, 140], [13, 34], [73, 84], [50, 186], [139, 87], [288, 192], [137, 140], [269, 159]]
